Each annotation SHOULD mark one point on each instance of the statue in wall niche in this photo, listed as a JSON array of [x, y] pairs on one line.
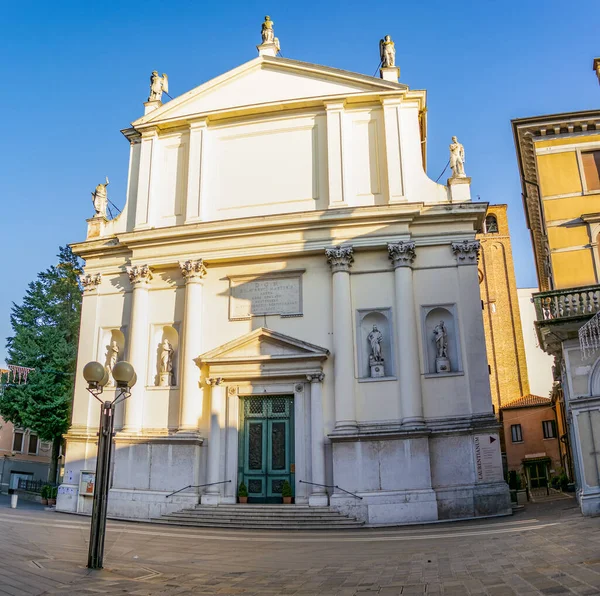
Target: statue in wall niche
[[166, 363], [113, 356], [158, 85], [387, 52], [100, 199], [267, 32], [457, 159], [440, 337], [375, 339]]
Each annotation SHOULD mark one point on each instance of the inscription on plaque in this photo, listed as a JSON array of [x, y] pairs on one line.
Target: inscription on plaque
[[273, 294]]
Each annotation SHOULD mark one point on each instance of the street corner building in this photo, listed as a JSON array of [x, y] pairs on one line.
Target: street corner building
[[299, 300]]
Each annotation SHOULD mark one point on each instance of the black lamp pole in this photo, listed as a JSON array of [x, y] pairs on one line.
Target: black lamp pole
[[105, 435]]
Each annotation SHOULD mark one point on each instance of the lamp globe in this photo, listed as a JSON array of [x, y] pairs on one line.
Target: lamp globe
[[93, 373], [123, 373]]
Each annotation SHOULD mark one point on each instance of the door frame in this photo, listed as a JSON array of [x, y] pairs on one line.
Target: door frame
[[302, 432]]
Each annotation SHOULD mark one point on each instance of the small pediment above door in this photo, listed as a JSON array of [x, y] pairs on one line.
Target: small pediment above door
[[263, 344]]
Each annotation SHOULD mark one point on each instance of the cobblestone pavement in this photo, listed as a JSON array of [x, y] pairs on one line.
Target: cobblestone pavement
[[547, 549]]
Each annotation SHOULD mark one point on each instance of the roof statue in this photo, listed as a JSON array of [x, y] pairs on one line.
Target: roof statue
[[158, 85], [270, 44], [100, 199], [387, 52], [596, 67], [457, 159]]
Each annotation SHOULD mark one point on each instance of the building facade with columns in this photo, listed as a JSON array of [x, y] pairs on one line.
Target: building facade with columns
[[300, 302]]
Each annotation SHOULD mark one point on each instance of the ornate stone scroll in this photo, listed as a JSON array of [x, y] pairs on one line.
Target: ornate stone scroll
[[340, 258], [90, 282], [466, 252], [402, 254]]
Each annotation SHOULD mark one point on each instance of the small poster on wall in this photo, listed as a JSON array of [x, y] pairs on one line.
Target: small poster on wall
[[87, 483]]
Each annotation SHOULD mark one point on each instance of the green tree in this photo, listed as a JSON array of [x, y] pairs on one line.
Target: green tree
[[45, 332]]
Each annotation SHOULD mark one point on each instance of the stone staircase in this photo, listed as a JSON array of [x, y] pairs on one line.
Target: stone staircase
[[261, 517]]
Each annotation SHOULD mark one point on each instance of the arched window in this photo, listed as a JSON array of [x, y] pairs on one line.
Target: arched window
[[491, 224]]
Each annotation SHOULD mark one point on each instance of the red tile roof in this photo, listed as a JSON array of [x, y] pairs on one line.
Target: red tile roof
[[527, 401]]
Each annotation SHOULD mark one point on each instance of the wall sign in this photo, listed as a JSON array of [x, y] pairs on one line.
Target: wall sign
[[278, 293], [488, 460]]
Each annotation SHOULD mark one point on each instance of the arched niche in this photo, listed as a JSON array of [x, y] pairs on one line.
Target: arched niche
[[381, 318], [432, 316], [105, 348], [491, 224], [160, 332]]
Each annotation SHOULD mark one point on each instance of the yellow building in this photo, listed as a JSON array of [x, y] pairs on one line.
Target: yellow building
[[501, 318], [559, 163]]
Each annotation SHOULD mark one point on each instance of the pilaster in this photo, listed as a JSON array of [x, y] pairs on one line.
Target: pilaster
[[340, 259], [147, 151], [212, 495], [318, 496], [402, 255], [193, 209], [193, 271], [393, 153], [139, 277], [335, 153]]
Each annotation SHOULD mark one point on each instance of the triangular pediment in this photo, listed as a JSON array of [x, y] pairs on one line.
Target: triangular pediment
[[266, 80], [263, 345]]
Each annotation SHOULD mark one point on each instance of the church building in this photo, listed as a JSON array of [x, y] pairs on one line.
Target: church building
[[299, 300]]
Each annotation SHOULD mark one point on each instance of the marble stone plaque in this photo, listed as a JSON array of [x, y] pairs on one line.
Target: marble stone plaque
[[270, 294]]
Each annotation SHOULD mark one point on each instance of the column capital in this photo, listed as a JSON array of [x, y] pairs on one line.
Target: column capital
[[315, 378], [340, 258], [193, 271], [402, 254], [139, 275], [214, 381], [466, 252], [90, 282]]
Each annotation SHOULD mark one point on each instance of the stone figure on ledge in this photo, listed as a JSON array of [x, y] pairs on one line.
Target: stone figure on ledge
[[158, 85], [166, 364], [440, 337], [387, 52], [267, 32], [375, 339], [457, 159], [113, 356], [100, 199]]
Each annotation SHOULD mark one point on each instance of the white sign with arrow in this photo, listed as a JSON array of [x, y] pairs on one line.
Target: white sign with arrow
[[488, 459]]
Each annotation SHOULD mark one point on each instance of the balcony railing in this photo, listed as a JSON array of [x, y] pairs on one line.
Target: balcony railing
[[567, 303]]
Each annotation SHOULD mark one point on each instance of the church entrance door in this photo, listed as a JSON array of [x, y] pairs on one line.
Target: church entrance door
[[266, 446]]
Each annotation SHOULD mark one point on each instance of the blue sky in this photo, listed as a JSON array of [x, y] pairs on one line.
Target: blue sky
[[76, 73]]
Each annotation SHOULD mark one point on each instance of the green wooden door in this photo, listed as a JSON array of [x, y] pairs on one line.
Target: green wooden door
[[266, 446]]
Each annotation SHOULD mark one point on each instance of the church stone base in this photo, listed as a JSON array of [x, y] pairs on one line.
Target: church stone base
[[589, 503], [317, 501], [389, 507]]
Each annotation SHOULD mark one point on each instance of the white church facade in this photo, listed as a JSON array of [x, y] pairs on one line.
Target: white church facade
[[300, 303]]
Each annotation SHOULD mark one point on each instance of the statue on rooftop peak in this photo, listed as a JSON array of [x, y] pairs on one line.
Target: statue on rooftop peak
[[158, 85], [457, 159], [387, 52], [100, 199], [267, 32]]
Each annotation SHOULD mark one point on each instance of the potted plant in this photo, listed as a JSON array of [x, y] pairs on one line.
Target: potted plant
[[286, 492], [44, 494], [242, 493], [52, 494]]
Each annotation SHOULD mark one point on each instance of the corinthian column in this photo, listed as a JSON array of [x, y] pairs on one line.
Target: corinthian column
[[402, 255], [318, 496], [217, 424], [139, 276], [340, 259], [189, 411]]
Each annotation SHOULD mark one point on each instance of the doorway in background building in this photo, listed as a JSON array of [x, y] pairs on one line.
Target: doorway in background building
[[266, 446], [537, 474]]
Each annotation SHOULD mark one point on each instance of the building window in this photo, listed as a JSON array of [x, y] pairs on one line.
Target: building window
[[516, 433], [33, 445], [549, 428], [18, 441], [591, 169], [491, 224]]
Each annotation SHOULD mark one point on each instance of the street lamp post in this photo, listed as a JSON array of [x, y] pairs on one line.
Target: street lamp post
[[97, 377]]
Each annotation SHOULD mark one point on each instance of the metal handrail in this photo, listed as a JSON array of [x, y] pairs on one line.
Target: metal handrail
[[197, 486], [331, 486]]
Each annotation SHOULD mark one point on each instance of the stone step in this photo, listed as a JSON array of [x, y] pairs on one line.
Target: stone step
[[246, 525], [257, 519]]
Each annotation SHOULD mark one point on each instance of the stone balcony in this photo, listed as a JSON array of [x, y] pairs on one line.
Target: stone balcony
[[560, 314]]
